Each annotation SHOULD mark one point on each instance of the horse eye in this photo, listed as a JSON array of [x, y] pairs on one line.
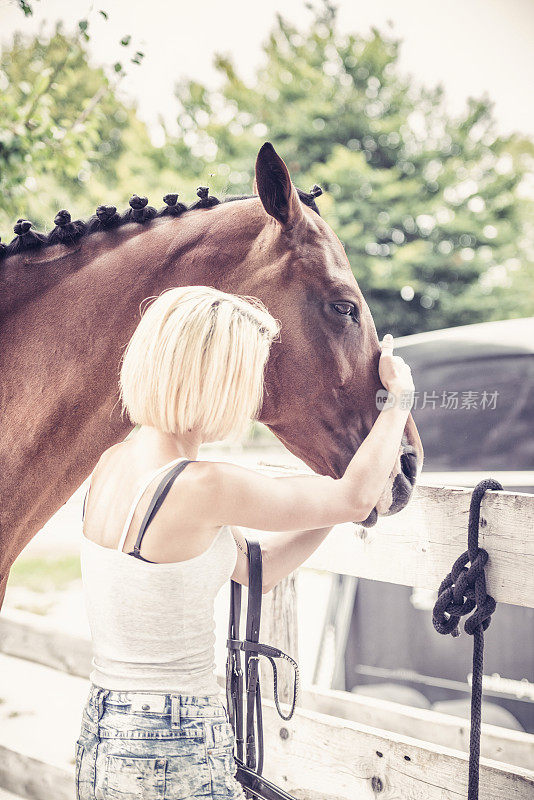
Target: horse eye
[[346, 309]]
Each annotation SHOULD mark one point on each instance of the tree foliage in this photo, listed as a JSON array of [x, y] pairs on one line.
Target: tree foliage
[[430, 208], [65, 137], [426, 204]]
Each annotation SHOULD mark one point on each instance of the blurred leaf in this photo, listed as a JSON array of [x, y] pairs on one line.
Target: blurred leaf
[[125, 41], [25, 7]]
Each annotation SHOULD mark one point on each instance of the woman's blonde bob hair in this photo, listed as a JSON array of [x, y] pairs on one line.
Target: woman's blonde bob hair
[[196, 360]]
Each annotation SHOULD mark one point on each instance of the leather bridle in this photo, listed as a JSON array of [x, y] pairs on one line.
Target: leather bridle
[[247, 722]]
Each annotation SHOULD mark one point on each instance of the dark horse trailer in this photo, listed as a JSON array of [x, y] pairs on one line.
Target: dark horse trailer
[[474, 410]]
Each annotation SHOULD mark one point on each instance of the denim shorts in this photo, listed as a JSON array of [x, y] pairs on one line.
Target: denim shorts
[[154, 746]]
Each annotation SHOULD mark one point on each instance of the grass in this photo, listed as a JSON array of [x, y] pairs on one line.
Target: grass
[[32, 608], [45, 574]]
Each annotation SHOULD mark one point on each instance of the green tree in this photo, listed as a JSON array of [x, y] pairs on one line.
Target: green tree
[[426, 204], [65, 138]]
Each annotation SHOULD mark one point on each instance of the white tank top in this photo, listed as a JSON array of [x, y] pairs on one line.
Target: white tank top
[[152, 625]]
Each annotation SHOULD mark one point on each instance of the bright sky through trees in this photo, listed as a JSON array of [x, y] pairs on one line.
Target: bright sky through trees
[[471, 46]]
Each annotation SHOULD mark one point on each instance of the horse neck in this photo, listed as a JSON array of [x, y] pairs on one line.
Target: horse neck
[[60, 354]]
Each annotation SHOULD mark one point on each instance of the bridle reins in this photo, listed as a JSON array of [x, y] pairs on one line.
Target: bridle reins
[[246, 719]]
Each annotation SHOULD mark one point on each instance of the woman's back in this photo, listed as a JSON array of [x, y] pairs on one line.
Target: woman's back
[[177, 531], [152, 624]]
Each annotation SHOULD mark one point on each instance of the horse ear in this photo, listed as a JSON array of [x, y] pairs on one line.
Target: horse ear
[[273, 184]]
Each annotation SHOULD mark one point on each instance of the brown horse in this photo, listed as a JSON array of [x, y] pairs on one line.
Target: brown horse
[[68, 311]]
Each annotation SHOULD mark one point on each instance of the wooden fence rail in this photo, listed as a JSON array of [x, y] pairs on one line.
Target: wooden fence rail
[[418, 546], [372, 748], [315, 756], [30, 637]]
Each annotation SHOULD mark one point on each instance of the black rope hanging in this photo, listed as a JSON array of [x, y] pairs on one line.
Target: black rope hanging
[[463, 591]]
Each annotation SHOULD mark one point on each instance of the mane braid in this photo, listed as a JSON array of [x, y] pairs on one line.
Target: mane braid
[[172, 207], [66, 232], [25, 238], [107, 218], [139, 210]]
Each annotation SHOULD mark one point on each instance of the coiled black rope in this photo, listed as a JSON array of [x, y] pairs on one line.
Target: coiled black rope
[[463, 591]]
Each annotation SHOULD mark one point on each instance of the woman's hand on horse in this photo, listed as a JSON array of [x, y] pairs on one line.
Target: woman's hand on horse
[[394, 372]]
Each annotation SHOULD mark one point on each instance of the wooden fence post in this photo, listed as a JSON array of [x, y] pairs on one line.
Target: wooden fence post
[[279, 627]]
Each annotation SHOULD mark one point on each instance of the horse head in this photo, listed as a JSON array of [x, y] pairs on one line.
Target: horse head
[[321, 379]]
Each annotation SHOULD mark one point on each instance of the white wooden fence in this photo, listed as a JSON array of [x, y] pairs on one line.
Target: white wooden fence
[[339, 745]]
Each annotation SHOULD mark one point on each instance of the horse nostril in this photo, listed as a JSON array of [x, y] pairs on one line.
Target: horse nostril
[[408, 461]]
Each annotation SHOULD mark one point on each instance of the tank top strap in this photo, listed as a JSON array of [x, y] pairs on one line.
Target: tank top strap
[[142, 489], [159, 496]]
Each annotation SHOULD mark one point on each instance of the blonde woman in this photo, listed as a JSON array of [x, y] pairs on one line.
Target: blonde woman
[[161, 536]]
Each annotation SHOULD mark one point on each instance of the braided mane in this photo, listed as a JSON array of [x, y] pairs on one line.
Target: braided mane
[[108, 218]]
